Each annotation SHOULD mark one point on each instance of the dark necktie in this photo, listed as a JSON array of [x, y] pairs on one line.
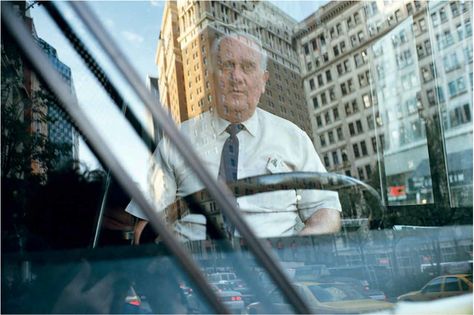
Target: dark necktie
[[230, 154], [229, 164]]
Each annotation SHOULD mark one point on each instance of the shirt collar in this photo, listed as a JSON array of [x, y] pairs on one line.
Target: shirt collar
[[251, 124]]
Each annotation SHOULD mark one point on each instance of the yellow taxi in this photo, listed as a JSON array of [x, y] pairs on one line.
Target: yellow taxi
[[441, 287], [326, 298]]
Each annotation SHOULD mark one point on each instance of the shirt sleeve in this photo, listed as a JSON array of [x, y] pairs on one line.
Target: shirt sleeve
[[310, 201], [162, 182]]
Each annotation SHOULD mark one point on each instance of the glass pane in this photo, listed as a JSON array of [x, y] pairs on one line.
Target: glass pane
[[451, 284], [397, 87], [452, 92]]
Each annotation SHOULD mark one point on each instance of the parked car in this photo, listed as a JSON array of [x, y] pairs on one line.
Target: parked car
[[441, 287], [325, 298], [221, 276], [231, 299], [362, 285]]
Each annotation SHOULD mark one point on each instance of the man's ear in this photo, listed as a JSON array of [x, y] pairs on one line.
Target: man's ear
[[266, 75]]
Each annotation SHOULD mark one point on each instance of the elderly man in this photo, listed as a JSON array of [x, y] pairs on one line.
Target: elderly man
[[235, 139]]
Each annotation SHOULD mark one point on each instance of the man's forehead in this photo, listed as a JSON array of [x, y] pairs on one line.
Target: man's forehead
[[238, 46]]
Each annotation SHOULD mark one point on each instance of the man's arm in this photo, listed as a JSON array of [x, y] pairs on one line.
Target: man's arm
[[323, 221]]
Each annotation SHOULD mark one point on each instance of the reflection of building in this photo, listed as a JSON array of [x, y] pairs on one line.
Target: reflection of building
[[60, 130], [153, 86], [184, 61], [375, 73], [34, 106]]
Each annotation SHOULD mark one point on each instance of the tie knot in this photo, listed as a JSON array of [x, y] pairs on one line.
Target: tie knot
[[234, 129]]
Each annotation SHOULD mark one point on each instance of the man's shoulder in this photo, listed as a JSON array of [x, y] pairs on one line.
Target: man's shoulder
[[202, 120], [282, 123]]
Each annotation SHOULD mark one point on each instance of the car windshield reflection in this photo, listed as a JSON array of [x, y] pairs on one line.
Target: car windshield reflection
[[236, 156]]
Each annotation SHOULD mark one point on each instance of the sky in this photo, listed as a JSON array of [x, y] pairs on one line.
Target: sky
[[135, 27]]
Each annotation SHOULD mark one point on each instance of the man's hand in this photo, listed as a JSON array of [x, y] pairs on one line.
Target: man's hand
[[323, 221]]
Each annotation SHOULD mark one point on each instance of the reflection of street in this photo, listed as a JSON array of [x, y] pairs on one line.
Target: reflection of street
[[393, 261]]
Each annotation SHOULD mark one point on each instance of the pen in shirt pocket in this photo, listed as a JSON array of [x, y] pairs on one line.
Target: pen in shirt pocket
[[276, 165]]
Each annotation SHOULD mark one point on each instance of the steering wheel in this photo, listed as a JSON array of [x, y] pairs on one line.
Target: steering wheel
[[200, 202]]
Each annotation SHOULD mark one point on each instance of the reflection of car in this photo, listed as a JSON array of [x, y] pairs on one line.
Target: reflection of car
[[441, 287], [221, 276], [231, 299], [239, 286], [331, 298], [361, 285]]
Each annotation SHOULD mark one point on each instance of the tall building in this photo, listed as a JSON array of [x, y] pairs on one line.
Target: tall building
[[375, 73], [60, 130], [170, 64], [184, 61], [26, 103]]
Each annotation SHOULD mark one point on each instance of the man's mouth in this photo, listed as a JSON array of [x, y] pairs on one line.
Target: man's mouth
[[237, 92]]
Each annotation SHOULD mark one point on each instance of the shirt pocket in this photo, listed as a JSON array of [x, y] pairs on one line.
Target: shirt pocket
[[277, 165]]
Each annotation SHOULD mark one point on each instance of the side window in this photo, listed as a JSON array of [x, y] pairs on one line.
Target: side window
[[464, 286], [451, 284], [433, 286], [276, 297]]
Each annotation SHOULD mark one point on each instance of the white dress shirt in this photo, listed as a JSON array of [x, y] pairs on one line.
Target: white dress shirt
[[268, 144]]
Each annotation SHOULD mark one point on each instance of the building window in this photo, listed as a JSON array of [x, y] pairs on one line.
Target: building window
[[306, 49], [324, 100], [454, 8], [374, 144], [319, 122], [460, 115], [360, 171], [331, 136], [359, 126], [340, 136], [326, 160], [363, 148], [335, 158], [311, 84], [368, 170], [309, 66], [357, 18], [339, 69], [347, 66], [342, 46], [320, 80], [328, 76], [422, 24], [343, 89], [366, 100], [322, 139], [370, 122], [456, 87], [335, 112], [355, 148], [327, 118], [315, 102], [351, 129], [442, 15], [358, 60], [332, 94]]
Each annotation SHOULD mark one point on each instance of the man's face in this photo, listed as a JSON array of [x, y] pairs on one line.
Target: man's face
[[240, 79]]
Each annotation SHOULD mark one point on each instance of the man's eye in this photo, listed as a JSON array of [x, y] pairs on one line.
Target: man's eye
[[227, 65], [248, 67]]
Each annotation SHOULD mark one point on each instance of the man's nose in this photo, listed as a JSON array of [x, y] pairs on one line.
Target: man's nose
[[237, 74]]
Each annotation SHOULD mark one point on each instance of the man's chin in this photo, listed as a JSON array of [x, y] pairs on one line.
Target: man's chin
[[236, 113]]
